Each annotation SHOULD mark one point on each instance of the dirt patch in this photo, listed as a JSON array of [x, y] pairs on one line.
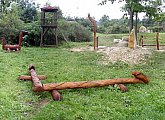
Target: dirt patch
[[124, 54], [43, 102], [81, 49]]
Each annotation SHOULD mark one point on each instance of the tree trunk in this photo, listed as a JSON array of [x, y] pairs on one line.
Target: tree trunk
[[131, 20], [136, 20]]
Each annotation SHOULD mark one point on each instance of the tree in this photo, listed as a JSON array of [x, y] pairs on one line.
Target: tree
[[104, 21], [133, 7], [113, 26], [151, 7], [29, 10], [4, 4], [10, 23]]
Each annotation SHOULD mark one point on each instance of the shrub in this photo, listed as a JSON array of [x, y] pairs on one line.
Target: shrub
[[72, 31], [35, 32], [75, 32]]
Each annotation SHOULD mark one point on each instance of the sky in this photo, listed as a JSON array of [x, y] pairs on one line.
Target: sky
[[81, 8]]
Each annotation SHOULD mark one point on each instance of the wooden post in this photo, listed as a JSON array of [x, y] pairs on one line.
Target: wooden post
[[141, 41], [94, 31], [20, 39], [122, 87], [97, 42], [3, 43], [56, 95], [157, 40]]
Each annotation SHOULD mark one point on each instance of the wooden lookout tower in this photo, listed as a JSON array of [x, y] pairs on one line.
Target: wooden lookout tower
[[48, 22]]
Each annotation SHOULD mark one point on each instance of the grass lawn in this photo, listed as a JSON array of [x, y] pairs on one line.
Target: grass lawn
[[19, 102]]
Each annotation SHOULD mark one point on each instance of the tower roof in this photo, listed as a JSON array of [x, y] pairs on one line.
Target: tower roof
[[49, 9]]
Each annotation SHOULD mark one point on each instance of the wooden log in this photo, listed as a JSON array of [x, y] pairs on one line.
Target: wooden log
[[9, 47], [56, 95], [15, 47], [12, 47], [122, 87], [89, 84], [152, 45], [27, 77], [139, 78], [37, 85]]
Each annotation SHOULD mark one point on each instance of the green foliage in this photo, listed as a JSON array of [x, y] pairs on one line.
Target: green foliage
[[10, 23], [133, 7], [29, 10], [75, 32], [84, 22], [104, 21], [150, 38], [113, 26], [156, 28], [29, 14], [24, 16], [4, 4], [35, 30]]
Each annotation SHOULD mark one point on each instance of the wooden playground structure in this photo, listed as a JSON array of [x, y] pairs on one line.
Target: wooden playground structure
[[49, 16], [54, 87], [48, 22], [16, 47], [157, 43]]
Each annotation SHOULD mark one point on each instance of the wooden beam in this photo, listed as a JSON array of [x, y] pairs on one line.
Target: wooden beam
[[37, 85], [27, 77], [139, 78]]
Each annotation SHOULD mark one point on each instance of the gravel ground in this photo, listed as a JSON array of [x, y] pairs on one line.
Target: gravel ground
[[124, 54]]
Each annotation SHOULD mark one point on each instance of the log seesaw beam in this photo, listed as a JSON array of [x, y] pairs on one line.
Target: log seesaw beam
[[54, 87], [139, 78]]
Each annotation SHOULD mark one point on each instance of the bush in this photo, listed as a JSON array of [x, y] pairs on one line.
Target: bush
[[75, 32], [35, 33], [72, 31], [10, 28]]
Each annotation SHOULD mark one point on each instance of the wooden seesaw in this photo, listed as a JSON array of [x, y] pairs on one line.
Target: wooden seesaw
[[54, 87], [16, 47]]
